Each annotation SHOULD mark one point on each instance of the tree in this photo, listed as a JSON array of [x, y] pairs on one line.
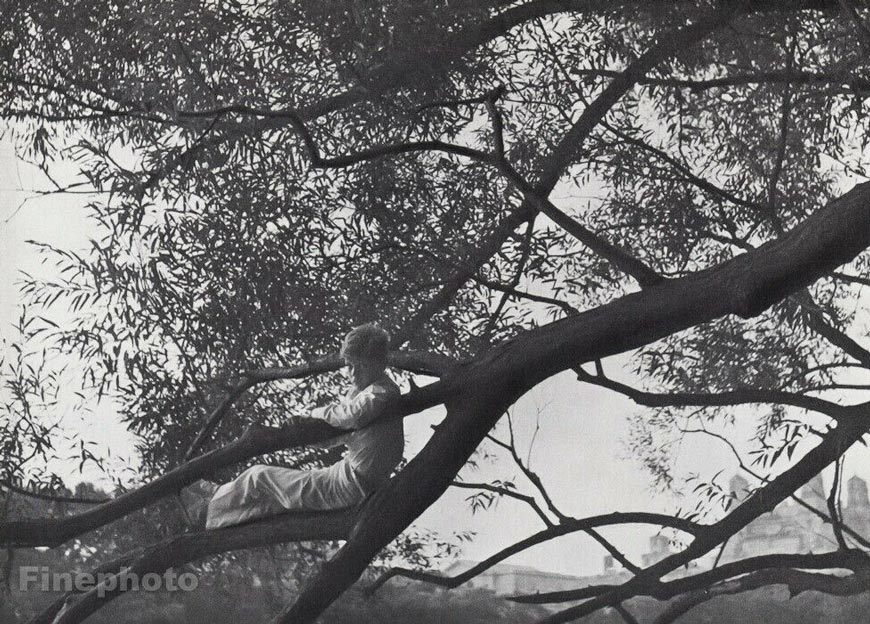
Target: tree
[[267, 175]]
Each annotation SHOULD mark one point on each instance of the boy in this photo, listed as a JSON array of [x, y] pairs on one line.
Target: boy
[[374, 448]]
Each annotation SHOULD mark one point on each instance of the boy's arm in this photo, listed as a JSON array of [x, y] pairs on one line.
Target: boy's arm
[[356, 412]]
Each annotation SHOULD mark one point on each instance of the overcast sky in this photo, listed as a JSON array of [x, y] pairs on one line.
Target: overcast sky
[[579, 449]]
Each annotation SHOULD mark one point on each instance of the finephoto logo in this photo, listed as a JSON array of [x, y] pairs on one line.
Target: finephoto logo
[[43, 579]]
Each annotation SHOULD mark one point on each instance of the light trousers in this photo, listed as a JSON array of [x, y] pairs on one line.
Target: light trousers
[[263, 491]]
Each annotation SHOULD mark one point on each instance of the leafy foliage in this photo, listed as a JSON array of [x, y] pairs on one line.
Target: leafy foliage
[[219, 248]]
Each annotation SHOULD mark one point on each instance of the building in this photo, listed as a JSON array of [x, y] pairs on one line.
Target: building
[[792, 528]]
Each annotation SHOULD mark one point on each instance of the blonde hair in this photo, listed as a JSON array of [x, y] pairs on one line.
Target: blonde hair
[[366, 341]]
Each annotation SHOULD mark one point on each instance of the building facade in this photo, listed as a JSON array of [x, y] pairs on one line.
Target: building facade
[[792, 528]]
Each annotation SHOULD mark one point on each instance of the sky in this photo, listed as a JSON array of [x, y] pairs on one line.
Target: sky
[[579, 448], [59, 221]]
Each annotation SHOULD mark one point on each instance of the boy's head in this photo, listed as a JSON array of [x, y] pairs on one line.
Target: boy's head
[[364, 350]]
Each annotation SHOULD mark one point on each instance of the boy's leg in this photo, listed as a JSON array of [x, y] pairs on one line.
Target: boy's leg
[[248, 497], [267, 490]]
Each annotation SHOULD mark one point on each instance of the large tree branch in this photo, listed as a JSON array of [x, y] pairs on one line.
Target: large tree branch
[[797, 581], [745, 285], [843, 559]]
